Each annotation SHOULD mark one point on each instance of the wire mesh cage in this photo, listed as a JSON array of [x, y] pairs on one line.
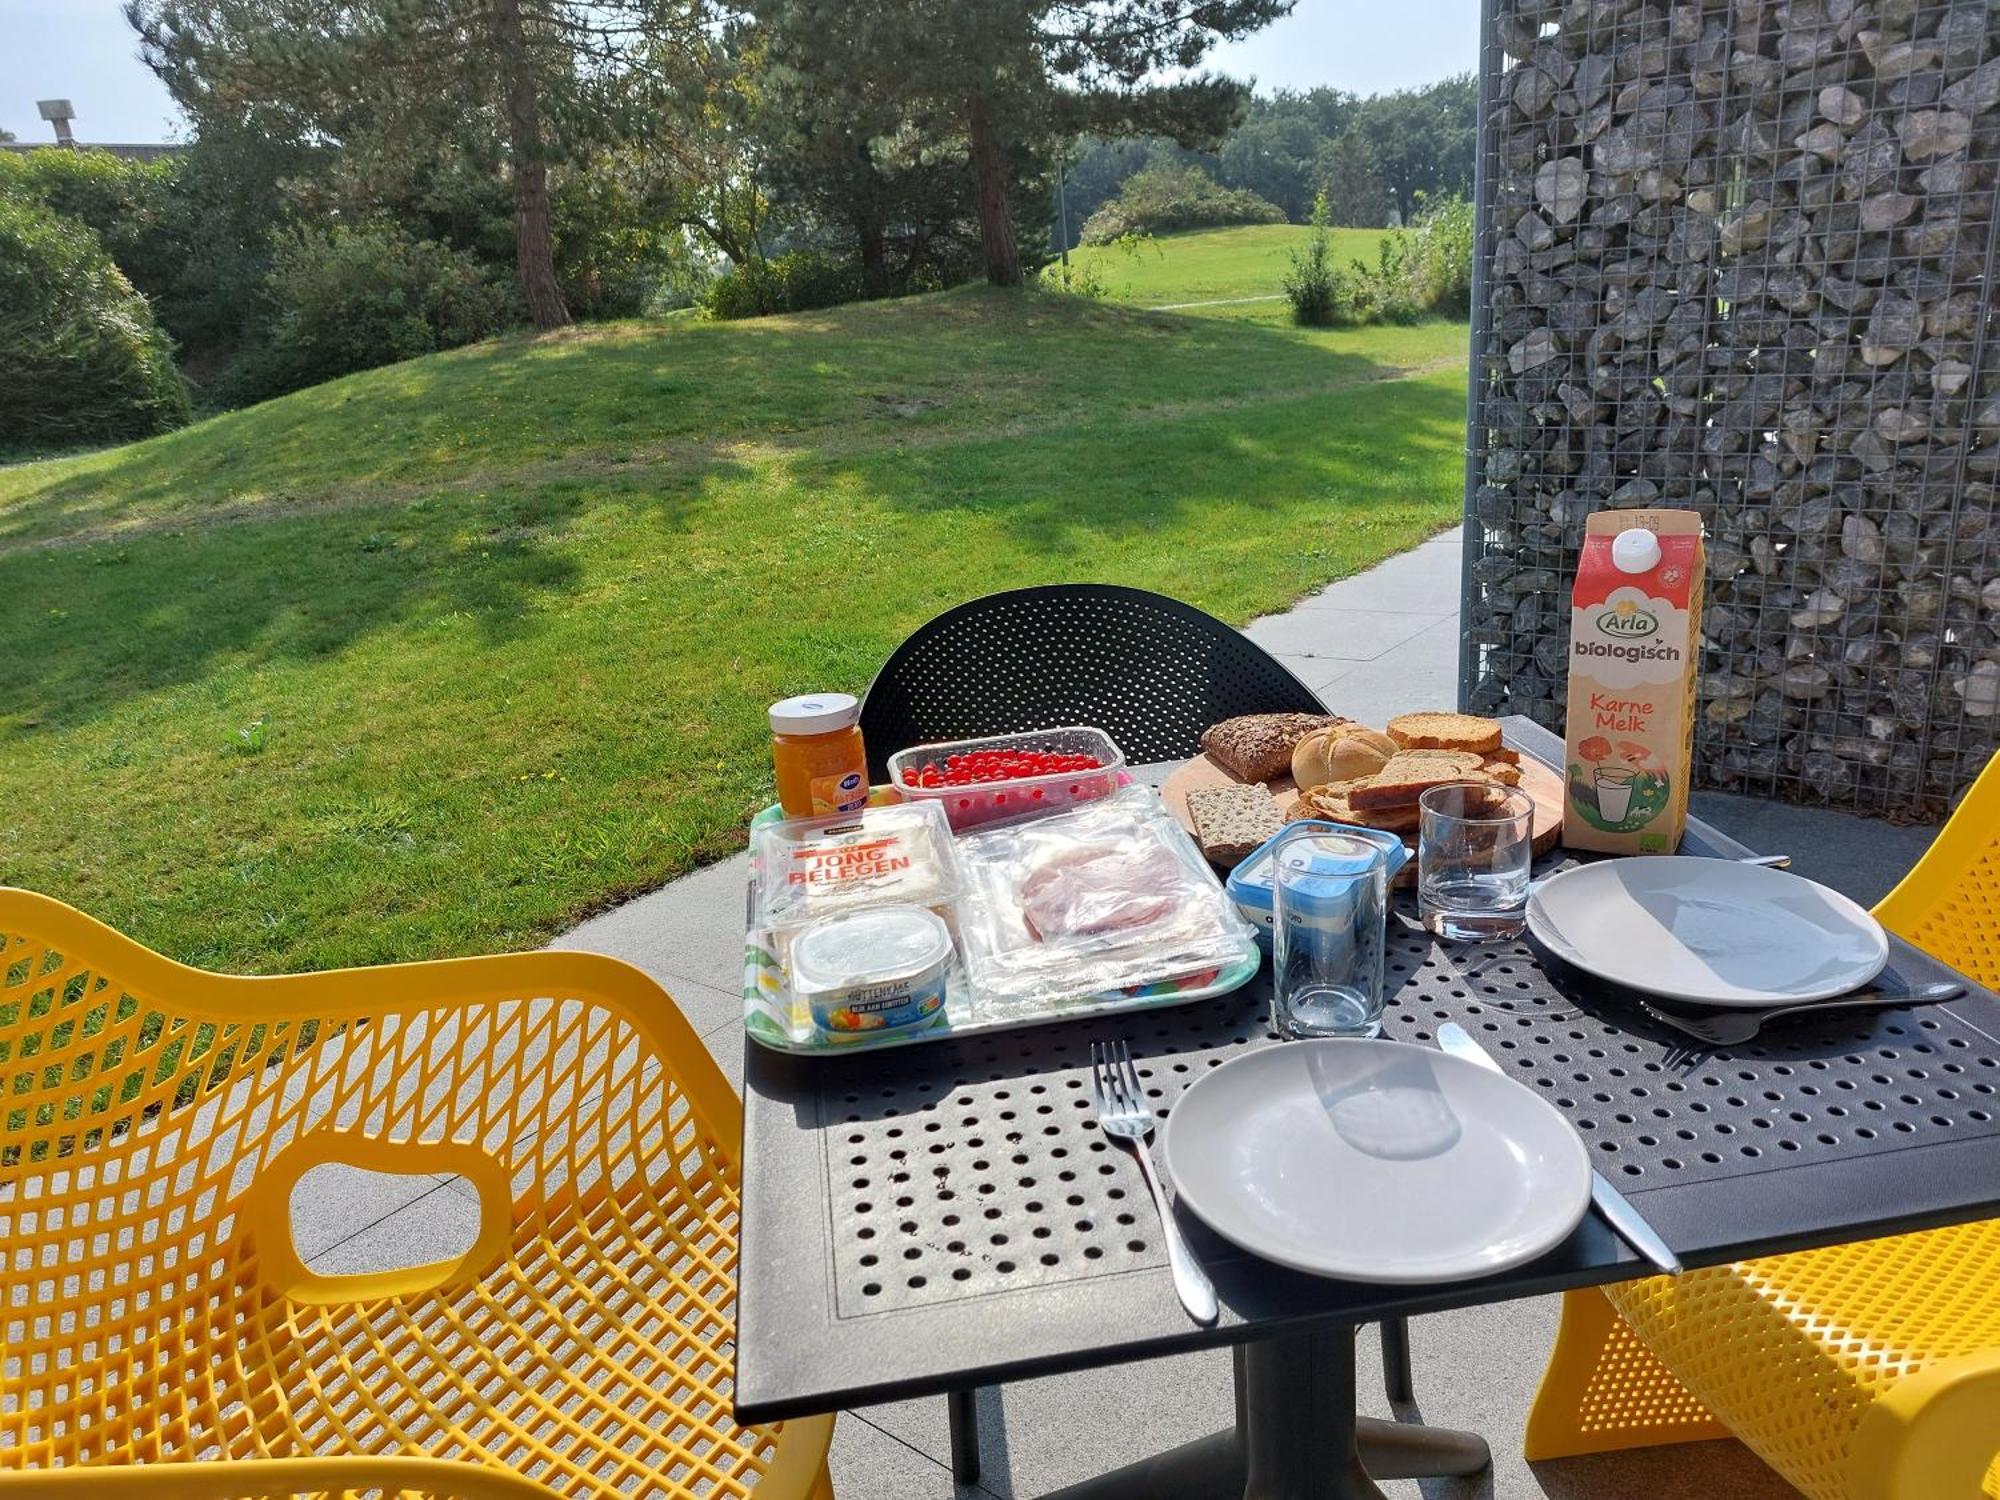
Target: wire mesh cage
[[1739, 258]]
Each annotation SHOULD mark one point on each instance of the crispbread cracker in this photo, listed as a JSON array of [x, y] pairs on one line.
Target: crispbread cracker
[[1230, 822]]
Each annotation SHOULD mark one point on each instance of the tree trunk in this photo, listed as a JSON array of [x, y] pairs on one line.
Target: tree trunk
[[989, 183], [534, 254], [874, 257]]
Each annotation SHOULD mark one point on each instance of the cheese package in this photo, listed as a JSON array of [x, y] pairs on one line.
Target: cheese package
[[805, 868], [1634, 652]]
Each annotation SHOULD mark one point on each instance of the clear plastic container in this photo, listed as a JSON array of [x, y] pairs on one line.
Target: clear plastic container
[[987, 802], [806, 868]]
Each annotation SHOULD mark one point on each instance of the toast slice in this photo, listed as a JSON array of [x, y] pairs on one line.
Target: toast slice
[[1507, 773], [1331, 801], [1439, 731], [1409, 775]]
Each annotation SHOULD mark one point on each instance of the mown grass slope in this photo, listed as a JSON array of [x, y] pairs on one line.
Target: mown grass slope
[[511, 615], [1217, 267]]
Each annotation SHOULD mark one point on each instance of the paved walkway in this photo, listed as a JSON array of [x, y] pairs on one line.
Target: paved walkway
[[1371, 646]]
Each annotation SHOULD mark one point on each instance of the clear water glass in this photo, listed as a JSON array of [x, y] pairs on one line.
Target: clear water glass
[[1329, 899], [1475, 843]]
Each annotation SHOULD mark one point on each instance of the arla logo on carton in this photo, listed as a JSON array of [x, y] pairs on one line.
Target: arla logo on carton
[[1635, 632]]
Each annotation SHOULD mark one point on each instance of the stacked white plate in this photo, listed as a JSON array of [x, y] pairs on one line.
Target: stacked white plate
[[1707, 931]]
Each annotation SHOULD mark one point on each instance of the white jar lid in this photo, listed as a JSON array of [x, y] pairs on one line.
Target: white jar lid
[[1635, 550], [876, 945], [814, 713]]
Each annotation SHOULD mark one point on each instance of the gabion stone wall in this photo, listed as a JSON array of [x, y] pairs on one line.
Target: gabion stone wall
[[1740, 258]]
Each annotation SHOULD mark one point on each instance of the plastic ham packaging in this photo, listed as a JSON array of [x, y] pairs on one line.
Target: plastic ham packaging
[[1113, 896]]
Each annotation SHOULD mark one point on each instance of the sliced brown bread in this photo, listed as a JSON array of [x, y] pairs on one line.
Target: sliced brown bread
[[1409, 775], [1507, 773], [1332, 801], [1505, 753], [1441, 731], [1231, 821], [1256, 747]]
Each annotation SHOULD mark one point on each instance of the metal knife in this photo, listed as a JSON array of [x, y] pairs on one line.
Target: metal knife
[[1618, 1213]]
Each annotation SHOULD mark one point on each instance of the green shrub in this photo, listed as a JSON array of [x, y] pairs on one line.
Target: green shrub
[[84, 360], [354, 298], [793, 282], [1424, 271], [1162, 199], [127, 203], [1312, 285]]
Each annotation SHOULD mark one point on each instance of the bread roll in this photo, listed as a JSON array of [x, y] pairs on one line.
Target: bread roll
[[1340, 752]]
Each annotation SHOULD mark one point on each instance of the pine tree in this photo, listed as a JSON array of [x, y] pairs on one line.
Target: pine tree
[[530, 80], [1000, 74]]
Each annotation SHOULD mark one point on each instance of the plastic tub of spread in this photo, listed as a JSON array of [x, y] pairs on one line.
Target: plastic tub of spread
[[872, 972], [1249, 883], [975, 803]]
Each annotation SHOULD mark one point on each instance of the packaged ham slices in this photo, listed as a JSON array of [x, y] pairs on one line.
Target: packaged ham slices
[[1113, 896]]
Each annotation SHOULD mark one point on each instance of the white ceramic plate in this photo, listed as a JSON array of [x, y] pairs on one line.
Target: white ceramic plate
[[1376, 1161], [1707, 931]]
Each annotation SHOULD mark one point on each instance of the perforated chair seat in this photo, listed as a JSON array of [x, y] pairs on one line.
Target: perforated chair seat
[[160, 1334], [1860, 1372], [1149, 670]]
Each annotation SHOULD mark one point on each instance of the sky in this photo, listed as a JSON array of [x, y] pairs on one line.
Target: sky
[[83, 51]]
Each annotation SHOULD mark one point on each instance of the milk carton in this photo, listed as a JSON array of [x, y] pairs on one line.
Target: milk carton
[[1634, 650]]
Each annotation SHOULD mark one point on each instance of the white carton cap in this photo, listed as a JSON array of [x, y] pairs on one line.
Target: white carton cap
[[1635, 550], [814, 713]]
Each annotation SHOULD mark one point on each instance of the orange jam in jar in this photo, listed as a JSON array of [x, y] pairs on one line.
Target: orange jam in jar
[[817, 751]]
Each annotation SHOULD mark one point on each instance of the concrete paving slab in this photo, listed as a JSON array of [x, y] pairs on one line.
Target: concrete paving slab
[[1421, 673], [1475, 1370], [1862, 858], [694, 933], [870, 1464], [1423, 580], [332, 1201], [437, 1226], [1348, 635]]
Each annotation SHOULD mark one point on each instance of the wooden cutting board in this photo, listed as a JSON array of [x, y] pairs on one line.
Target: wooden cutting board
[[1539, 781]]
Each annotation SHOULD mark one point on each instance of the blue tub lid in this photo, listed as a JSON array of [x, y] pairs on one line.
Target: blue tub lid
[[1250, 882]]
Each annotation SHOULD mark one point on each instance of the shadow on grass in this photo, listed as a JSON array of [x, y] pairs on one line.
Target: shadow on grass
[[99, 624], [613, 392]]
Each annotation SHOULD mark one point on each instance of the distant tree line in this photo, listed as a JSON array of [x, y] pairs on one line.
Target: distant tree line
[[1371, 157]]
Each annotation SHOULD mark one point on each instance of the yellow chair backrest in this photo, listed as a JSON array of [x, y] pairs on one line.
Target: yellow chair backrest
[[1949, 903], [155, 1120]]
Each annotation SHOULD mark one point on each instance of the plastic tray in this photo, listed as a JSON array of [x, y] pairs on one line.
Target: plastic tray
[[775, 1018], [968, 807]]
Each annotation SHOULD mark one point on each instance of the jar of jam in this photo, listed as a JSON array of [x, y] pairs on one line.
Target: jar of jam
[[817, 752]]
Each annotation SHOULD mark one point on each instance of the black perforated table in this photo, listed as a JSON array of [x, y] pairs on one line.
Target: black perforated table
[[945, 1216]]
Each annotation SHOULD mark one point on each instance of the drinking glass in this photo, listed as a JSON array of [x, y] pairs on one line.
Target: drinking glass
[[1474, 846], [1329, 897]]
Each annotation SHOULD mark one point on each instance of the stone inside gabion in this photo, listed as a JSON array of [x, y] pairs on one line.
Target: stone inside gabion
[[1736, 260]]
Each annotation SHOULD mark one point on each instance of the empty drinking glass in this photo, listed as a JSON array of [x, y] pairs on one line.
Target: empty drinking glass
[[1329, 903], [1474, 846]]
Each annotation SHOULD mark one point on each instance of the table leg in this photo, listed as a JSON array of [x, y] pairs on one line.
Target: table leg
[[962, 1411], [1396, 1376], [1296, 1437]]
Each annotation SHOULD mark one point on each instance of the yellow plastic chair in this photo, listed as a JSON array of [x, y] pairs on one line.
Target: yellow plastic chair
[[1861, 1372], [160, 1335]]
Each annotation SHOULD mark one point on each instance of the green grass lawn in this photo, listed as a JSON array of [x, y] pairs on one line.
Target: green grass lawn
[[1209, 265], [510, 616]]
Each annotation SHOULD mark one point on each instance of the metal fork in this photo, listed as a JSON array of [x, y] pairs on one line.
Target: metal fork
[[1123, 1113], [1733, 1028]]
